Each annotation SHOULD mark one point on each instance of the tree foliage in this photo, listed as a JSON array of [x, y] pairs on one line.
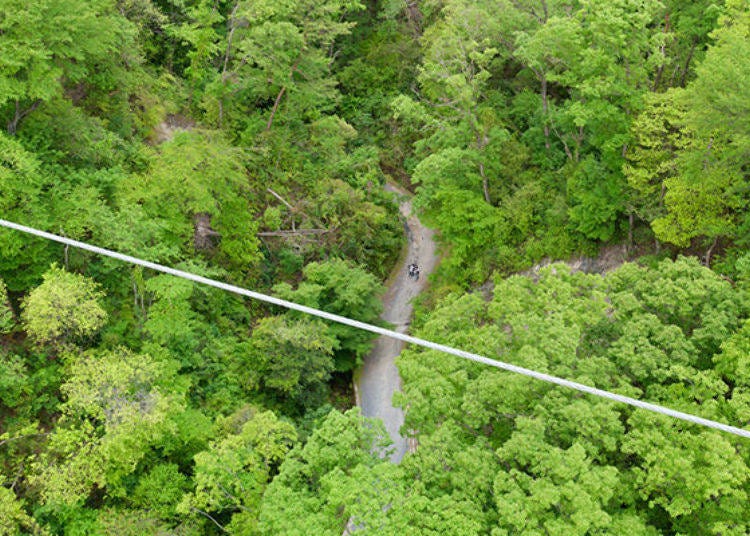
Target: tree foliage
[[233, 473], [51, 43], [562, 463], [117, 405], [340, 288], [64, 308], [250, 141]]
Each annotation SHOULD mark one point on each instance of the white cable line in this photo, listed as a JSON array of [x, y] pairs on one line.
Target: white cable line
[[387, 332]]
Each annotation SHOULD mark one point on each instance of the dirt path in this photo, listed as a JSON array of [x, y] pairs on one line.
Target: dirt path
[[378, 378]]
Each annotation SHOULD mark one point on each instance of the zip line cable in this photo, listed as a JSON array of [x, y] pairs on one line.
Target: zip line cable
[[387, 332]]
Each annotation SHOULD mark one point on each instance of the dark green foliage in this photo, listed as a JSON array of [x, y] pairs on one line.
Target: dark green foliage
[[339, 287], [292, 357]]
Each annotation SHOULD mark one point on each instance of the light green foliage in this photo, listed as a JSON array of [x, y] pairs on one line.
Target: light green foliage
[[189, 433], [448, 483], [528, 129], [13, 519], [160, 490], [46, 42], [596, 197], [555, 458], [651, 157], [6, 313], [15, 384], [200, 32], [607, 77], [233, 473], [118, 405], [547, 48], [64, 308], [698, 163], [463, 132], [702, 201], [458, 51], [277, 50], [690, 27], [310, 493], [699, 479], [193, 174], [119, 521], [29, 385], [451, 203], [20, 177], [380, 62], [582, 70], [335, 480], [22, 183], [720, 89], [171, 322], [683, 294], [732, 363], [548, 489], [339, 287]]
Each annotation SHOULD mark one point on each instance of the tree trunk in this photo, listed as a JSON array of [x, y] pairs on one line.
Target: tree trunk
[[662, 193], [485, 184], [545, 110], [281, 94], [710, 252], [414, 16], [630, 233], [227, 55], [662, 50], [204, 236], [19, 114], [292, 210], [275, 107], [579, 143], [482, 142], [296, 232], [686, 68]]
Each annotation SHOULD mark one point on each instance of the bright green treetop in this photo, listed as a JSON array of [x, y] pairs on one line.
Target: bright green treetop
[[64, 308]]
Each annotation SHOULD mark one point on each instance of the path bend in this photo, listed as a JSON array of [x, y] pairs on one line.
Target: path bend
[[378, 377]]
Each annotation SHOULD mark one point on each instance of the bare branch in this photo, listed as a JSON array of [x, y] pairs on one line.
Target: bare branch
[[277, 196], [201, 512]]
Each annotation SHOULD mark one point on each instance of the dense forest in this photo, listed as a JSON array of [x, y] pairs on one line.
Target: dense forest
[[249, 141]]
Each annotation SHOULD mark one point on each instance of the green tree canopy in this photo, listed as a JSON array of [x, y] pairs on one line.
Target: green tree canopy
[[49, 43], [232, 475], [117, 406], [64, 308], [339, 287], [560, 463], [293, 357]]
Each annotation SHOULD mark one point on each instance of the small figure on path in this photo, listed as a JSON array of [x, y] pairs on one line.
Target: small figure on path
[[414, 271]]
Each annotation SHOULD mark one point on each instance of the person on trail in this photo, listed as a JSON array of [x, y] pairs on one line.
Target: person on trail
[[414, 270]]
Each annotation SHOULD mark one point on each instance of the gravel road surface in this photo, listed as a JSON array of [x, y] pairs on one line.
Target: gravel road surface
[[378, 378]]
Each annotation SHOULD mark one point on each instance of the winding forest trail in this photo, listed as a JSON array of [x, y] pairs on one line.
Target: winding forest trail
[[378, 377]]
